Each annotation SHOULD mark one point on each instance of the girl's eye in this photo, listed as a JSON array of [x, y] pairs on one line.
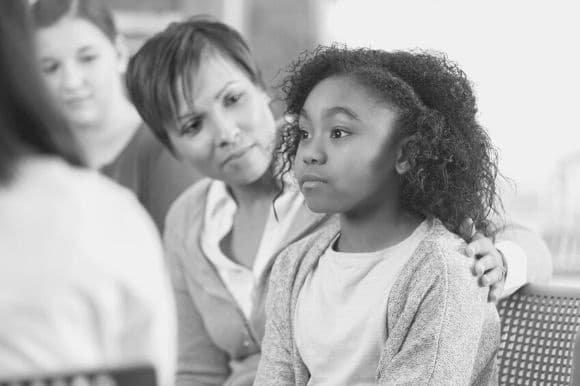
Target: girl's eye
[[191, 128], [338, 133], [302, 134], [232, 99]]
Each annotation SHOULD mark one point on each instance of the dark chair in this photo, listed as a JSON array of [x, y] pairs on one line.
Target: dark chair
[[539, 324], [141, 375], [576, 362]]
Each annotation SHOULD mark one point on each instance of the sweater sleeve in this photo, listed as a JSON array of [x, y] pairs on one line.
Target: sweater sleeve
[[199, 361], [275, 366], [445, 321]]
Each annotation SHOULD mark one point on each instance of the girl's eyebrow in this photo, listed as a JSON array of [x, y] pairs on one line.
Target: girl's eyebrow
[[344, 110]]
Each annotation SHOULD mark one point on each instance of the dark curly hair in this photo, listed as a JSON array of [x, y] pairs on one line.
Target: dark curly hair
[[453, 165]]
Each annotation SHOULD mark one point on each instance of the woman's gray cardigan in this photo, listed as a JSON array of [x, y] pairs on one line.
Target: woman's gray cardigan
[[440, 328]]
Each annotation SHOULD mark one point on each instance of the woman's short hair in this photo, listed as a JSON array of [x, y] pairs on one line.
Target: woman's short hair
[[163, 67]]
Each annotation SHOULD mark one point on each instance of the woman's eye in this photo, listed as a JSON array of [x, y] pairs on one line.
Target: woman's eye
[[338, 133], [232, 99], [191, 127], [88, 58]]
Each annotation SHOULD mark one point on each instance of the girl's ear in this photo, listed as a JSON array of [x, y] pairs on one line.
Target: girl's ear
[[402, 164], [122, 50]]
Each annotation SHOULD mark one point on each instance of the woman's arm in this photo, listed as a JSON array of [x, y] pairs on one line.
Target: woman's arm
[[521, 252], [199, 361]]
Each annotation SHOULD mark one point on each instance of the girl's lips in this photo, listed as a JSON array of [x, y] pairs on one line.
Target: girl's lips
[[311, 181], [312, 184]]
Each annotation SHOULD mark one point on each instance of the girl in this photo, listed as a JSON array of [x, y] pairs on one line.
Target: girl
[[389, 142], [82, 59], [200, 90]]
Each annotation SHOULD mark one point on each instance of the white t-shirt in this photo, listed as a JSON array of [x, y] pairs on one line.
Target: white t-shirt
[[82, 278], [342, 310]]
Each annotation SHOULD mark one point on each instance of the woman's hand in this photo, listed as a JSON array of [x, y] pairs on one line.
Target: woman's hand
[[489, 264]]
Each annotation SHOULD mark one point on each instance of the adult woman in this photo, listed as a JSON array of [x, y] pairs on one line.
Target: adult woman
[[82, 59], [70, 239], [200, 91]]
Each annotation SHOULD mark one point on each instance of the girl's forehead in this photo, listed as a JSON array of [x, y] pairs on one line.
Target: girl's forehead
[[342, 88]]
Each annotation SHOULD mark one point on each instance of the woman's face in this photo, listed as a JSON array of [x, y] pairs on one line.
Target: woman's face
[[82, 69], [226, 131]]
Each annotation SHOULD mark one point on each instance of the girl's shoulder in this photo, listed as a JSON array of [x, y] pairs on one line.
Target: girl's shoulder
[[441, 256], [302, 254]]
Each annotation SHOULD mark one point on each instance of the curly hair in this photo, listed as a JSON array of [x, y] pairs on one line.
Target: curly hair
[[453, 165]]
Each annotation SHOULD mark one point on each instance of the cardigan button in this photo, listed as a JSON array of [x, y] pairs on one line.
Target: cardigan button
[[246, 343]]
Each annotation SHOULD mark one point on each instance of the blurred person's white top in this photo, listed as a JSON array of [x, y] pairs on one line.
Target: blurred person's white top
[[82, 279]]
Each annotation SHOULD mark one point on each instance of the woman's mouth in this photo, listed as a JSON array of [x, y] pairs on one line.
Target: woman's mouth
[[235, 155]]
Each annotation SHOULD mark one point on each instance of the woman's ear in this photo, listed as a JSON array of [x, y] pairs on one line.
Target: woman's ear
[[402, 163], [122, 50]]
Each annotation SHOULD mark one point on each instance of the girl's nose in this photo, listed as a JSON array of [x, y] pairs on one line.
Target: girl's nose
[[313, 153]]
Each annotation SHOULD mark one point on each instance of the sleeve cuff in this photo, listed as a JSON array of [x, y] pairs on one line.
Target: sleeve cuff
[[516, 263]]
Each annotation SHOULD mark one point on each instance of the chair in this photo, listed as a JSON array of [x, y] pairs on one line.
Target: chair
[[139, 375], [576, 362], [539, 324]]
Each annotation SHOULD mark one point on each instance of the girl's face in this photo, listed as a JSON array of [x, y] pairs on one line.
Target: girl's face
[[82, 69], [346, 157], [226, 131]]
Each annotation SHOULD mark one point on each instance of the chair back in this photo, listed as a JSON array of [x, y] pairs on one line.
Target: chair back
[[538, 329], [140, 375]]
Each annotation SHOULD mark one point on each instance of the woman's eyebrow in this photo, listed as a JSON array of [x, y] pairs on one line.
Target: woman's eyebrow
[[187, 116]]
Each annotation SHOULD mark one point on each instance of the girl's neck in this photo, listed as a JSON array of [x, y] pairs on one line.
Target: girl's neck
[[255, 194], [375, 228], [105, 140]]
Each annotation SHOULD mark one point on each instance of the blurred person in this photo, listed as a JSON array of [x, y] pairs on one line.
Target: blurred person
[[82, 59], [199, 89], [82, 280]]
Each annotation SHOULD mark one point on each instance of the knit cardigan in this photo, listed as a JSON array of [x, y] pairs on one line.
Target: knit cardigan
[[440, 328]]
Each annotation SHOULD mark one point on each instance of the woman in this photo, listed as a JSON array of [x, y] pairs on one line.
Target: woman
[[199, 89], [82, 59], [70, 241]]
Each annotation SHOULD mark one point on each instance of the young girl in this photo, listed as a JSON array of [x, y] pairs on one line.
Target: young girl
[[389, 142]]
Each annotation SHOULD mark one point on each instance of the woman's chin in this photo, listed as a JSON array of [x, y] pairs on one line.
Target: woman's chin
[[82, 119]]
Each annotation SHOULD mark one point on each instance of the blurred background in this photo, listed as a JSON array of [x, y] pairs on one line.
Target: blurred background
[[522, 56]]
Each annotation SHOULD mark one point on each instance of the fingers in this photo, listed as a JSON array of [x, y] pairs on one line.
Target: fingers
[[480, 246], [467, 228], [492, 277], [486, 263], [495, 292]]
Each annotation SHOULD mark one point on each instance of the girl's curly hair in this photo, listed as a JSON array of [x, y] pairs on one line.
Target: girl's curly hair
[[453, 165]]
